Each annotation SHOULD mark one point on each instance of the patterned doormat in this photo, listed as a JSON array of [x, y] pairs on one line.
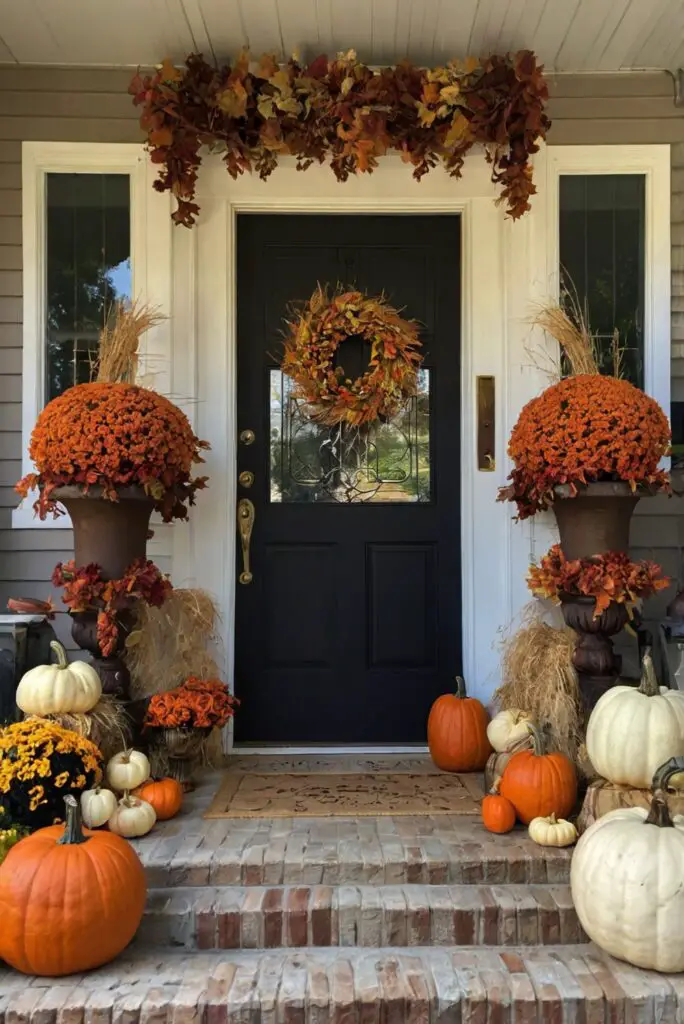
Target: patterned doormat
[[345, 794]]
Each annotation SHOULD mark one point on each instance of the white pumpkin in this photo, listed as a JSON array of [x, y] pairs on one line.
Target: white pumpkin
[[633, 731], [507, 728], [97, 806], [552, 831], [626, 879], [127, 770], [132, 817], [54, 689]]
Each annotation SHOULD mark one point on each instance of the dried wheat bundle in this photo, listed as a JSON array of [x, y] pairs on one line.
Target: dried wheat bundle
[[118, 355], [107, 725], [539, 678], [167, 645]]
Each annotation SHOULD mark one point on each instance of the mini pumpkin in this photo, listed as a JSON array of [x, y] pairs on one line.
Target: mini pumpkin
[[539, 784], [507, 728], [498, 813], [457, 732], [552, 831], [165, 795], [71, 899], [626, 879], [60, 688], [632, 731], [132, 817], [97, 806], [127, 770]]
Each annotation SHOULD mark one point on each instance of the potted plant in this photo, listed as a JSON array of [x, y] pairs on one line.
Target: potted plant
[[184, 717]]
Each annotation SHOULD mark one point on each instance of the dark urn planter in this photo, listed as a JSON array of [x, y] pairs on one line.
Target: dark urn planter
[[594, 522], [112, 534]]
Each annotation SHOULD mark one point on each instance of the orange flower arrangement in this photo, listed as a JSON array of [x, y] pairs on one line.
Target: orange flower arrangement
[[315, 335], [196, 704], [114, 435], [609, 577], [584, 429]]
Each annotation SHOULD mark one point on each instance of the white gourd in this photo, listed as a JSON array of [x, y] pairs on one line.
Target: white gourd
[[60, 688], [626, 879], [127, 770], [132, 817], [552, 831], [507, 728], [632, 731], [97, 806]]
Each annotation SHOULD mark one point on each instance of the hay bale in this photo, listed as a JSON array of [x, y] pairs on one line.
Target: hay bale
[[107, 725], [603, 796]]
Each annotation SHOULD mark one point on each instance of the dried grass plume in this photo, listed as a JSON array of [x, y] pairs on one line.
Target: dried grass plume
[[118, 354]]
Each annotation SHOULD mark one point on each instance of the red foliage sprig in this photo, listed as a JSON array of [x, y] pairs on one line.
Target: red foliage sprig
[[195, 704], [346, 112], [609, 577], [585, 429], [85, 590], [112, 436]]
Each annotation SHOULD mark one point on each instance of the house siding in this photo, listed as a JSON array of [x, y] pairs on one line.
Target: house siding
[[80, 105]]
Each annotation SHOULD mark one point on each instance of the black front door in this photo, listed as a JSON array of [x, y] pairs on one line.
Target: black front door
[[351, 625]]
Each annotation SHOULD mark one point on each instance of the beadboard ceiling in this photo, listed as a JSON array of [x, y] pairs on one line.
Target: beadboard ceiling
[[568, 35]]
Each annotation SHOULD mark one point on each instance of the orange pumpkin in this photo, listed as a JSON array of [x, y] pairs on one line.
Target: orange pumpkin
[[165, 795], [70, 899], [457, 732], [539, 784], [498, 813]]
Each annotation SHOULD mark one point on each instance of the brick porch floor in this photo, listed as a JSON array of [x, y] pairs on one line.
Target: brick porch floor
[[348, 921]]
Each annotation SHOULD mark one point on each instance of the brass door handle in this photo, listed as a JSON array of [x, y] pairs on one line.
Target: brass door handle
[[245, 525]]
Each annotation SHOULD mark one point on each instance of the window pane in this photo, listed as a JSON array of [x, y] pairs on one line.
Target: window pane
[[387, 462], [602, 257], [88, 269]]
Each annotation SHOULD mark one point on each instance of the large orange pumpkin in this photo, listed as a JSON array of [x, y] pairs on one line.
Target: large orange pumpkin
[[539, 784], [70, 900], [165, 795], [457, 732]]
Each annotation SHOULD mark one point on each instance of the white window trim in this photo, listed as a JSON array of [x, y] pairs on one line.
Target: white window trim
[[38, 160], [654, 163]]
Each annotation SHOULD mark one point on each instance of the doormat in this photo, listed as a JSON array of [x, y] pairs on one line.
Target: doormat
[[348, 795]]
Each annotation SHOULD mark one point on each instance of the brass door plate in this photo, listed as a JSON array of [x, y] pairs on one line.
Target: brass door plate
[[486, 436]]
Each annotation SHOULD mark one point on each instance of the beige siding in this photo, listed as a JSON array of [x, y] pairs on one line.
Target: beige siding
[[85, 105]]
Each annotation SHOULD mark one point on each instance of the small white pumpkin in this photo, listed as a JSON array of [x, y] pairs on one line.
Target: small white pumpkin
[[626, 880], [127, 770], [54, 689], [552, 831], [132, 817], [97, 806], [507, 728], [633, 731]]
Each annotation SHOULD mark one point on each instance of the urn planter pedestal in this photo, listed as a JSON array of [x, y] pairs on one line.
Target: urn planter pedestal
[[593, 522], [111, 534]]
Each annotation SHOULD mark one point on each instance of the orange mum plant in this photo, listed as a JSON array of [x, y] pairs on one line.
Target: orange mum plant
[[196, 704], [115, 435], [584, 429], [608, 577]]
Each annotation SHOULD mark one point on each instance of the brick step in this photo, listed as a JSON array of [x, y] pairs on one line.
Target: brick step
[[549, 985], [346, 852], [368, 916]]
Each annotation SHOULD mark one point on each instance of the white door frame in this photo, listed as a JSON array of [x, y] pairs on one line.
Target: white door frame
[[498, 283]]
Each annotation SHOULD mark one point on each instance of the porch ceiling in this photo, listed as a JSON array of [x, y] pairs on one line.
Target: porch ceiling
[[568, 35]]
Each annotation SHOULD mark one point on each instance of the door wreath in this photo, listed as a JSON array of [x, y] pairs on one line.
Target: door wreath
[[313, 338]]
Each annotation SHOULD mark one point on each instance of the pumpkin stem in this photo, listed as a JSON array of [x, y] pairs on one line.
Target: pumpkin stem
[[494, 791], [552, 818], [537, 740], [649, 685], [658, 813], [460, 687], [62, 660], [73, 827]]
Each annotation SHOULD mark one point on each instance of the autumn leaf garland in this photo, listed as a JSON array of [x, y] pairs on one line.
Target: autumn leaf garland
[[346, 112]]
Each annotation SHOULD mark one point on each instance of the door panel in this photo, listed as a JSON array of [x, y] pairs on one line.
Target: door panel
[[352, 624]]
